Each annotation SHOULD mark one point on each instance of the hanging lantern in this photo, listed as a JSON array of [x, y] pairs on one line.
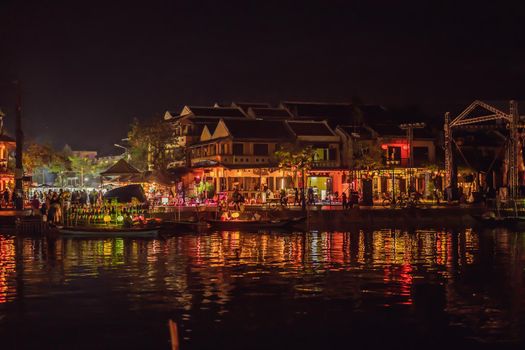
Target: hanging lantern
[[107, 218], [120, 218]]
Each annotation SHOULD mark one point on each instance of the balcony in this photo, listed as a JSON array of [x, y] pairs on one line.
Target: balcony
[[195, 161], [233, 159], [247, 159], [398, 163], [325, 164]]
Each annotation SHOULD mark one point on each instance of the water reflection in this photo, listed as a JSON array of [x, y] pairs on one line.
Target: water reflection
[[467, 282]]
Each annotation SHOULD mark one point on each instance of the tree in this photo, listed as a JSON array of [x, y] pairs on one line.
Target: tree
[[40, 157], [296, 159], [368, 155], [150, 143], [85, 167]]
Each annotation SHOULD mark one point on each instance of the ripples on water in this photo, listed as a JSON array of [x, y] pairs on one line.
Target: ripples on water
[[239, 290]]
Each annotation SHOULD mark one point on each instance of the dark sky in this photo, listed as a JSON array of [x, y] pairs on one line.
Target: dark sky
[[89, 67]]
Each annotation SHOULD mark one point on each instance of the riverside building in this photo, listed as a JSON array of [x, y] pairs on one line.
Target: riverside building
[[233, 147]]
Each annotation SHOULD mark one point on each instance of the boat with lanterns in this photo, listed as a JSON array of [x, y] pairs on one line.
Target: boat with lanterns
[[236, 221], [107, 232], [123, 214]]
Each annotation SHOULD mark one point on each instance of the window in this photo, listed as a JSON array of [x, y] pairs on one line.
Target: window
[[394, 153], [260, 149], [332, 154], [321, 154], [238, 149]]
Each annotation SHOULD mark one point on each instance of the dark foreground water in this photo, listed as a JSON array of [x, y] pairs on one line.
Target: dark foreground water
[[235, 290]]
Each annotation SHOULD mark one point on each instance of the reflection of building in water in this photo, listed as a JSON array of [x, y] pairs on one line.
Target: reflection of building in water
[[7, 269], [487, 298], [191, 272]]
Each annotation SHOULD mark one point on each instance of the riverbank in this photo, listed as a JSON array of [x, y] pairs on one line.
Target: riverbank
[[321, 217], [334, 218]]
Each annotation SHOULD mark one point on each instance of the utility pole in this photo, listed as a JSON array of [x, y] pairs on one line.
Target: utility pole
[[19, 168], [409, 127]]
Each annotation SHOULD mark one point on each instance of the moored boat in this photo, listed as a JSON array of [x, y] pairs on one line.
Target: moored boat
[[183, 225], [494, 221], [96, 232], [253, 224]]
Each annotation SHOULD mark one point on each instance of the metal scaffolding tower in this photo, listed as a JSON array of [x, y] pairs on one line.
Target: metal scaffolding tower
[[511, 121]]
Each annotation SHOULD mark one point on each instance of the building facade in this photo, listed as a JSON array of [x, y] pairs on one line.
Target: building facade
[[233, 147], [7, 147]]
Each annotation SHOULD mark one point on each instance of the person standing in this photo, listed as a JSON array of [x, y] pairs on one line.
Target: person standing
[[296, 197], [310, 196], [35, 204], [14, 198], [344, 201], [282, 197], [6, 197], [235, 199]]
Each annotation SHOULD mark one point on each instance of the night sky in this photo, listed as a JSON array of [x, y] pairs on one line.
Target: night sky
[[89, 67]]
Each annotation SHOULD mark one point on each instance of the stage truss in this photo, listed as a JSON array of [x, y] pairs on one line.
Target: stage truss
[[511, 121]]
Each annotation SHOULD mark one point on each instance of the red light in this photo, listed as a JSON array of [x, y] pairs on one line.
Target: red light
[[384, 146]]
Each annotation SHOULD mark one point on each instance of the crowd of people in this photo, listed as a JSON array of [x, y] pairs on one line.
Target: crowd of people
[[52, 204]]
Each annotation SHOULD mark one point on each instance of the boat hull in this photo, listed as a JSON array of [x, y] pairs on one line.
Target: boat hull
[[252, 225], [102, 232], [509, 222]]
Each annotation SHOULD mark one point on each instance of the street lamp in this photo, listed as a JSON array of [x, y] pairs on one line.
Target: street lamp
[[128, 156], [409, 127]]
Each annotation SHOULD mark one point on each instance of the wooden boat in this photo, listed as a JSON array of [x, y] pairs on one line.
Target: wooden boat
[[253, 224], [96, 232], [510, 221], [182, 225]]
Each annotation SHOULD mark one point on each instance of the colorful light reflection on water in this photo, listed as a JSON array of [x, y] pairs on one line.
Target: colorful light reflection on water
[[233, 289]]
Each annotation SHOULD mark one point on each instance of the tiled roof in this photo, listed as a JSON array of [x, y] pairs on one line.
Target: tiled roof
[[247, 105], [310, 128], [217, 112], [258, 129], [319, 110], [364, 132], [391, 129], [338, 113], [270, 113], [6, 138], [121, 168], [210, 141]]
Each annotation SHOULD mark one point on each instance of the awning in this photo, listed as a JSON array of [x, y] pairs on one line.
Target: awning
[[125, 194], [168, 177], [120, 168]]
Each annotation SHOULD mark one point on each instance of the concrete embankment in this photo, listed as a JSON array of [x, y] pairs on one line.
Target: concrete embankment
[[388, 218], [324, 218]]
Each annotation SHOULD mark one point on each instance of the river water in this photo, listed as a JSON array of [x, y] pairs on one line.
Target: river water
[[267, 290]]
